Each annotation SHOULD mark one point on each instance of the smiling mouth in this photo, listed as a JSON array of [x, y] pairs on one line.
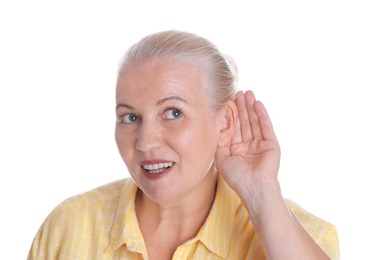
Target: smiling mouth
[[157, 167]]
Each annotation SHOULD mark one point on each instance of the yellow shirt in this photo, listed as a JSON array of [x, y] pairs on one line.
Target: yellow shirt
[[102, 224]]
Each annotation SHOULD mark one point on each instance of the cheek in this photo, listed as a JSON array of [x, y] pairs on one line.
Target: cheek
[[197, 140], [123, 141]]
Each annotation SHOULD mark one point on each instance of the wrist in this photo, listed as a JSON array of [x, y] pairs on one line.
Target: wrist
[[262, 200]]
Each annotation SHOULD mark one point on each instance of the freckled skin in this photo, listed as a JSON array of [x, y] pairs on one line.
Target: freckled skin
[[190, 140]]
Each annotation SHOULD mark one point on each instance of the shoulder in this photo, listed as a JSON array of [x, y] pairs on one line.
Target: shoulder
[[103, 194], [99, 204], [323, 232], [311, 223], [82, 221]]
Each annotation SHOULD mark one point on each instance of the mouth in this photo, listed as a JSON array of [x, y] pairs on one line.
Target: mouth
[[157, 167]]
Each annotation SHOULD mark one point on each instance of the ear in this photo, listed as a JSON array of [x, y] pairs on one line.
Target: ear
[[229, 118]]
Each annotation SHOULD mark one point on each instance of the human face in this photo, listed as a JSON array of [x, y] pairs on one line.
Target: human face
[[166, 132]]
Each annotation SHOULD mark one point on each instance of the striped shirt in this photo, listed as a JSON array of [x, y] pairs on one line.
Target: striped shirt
[[102, 224]]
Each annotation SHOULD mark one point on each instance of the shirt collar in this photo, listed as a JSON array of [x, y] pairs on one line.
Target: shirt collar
[[218, 226], [125, 229], [220, 222]]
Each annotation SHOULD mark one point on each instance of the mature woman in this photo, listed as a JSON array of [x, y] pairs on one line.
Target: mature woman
[[204, 161]]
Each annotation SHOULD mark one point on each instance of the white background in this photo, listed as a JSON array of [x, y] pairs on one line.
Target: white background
[[305, 60]]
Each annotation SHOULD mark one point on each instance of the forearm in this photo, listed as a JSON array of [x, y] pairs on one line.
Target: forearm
[[282, 235]]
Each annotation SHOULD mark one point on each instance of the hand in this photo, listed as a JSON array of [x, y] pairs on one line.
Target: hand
[[249, 164], [251, 161]]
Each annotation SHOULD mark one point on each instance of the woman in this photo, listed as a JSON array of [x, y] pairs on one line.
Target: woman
[[204, 162]]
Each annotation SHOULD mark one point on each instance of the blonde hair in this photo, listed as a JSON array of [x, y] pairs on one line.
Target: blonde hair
[[219, 70]]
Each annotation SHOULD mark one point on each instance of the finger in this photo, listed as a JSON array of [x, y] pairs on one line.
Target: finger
[[244, 133], [253, 117], [265, 122]]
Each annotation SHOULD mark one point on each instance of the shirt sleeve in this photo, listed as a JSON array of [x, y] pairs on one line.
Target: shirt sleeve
[[328, 241], [323, 233], [45, 241]]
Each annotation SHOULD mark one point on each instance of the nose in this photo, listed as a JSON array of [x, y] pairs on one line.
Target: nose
[[149, 136]]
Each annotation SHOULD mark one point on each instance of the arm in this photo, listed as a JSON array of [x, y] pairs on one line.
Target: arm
[[250, 164]]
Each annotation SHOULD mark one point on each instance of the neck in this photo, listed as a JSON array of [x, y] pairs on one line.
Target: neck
[[182, 217]]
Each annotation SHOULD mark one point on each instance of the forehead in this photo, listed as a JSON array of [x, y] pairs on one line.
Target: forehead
[[159, 77]]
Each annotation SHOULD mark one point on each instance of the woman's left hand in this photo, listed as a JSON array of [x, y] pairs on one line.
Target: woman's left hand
[[250, 164], [251, 161]]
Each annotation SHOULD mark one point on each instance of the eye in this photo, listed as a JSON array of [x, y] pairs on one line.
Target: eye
[[129, 118], [173, 113]]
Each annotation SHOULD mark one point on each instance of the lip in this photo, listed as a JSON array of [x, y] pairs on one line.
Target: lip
[[155, 161], [155, 176]]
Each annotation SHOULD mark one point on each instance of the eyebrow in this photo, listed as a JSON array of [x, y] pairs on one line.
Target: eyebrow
[[170, 98], [158, 103], [124, 105]]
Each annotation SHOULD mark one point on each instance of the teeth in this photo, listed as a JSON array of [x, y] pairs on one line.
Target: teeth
[[166, 165], [157, 167]]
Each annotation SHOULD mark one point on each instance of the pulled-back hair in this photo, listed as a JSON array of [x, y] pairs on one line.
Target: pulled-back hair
[[219, 70]]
